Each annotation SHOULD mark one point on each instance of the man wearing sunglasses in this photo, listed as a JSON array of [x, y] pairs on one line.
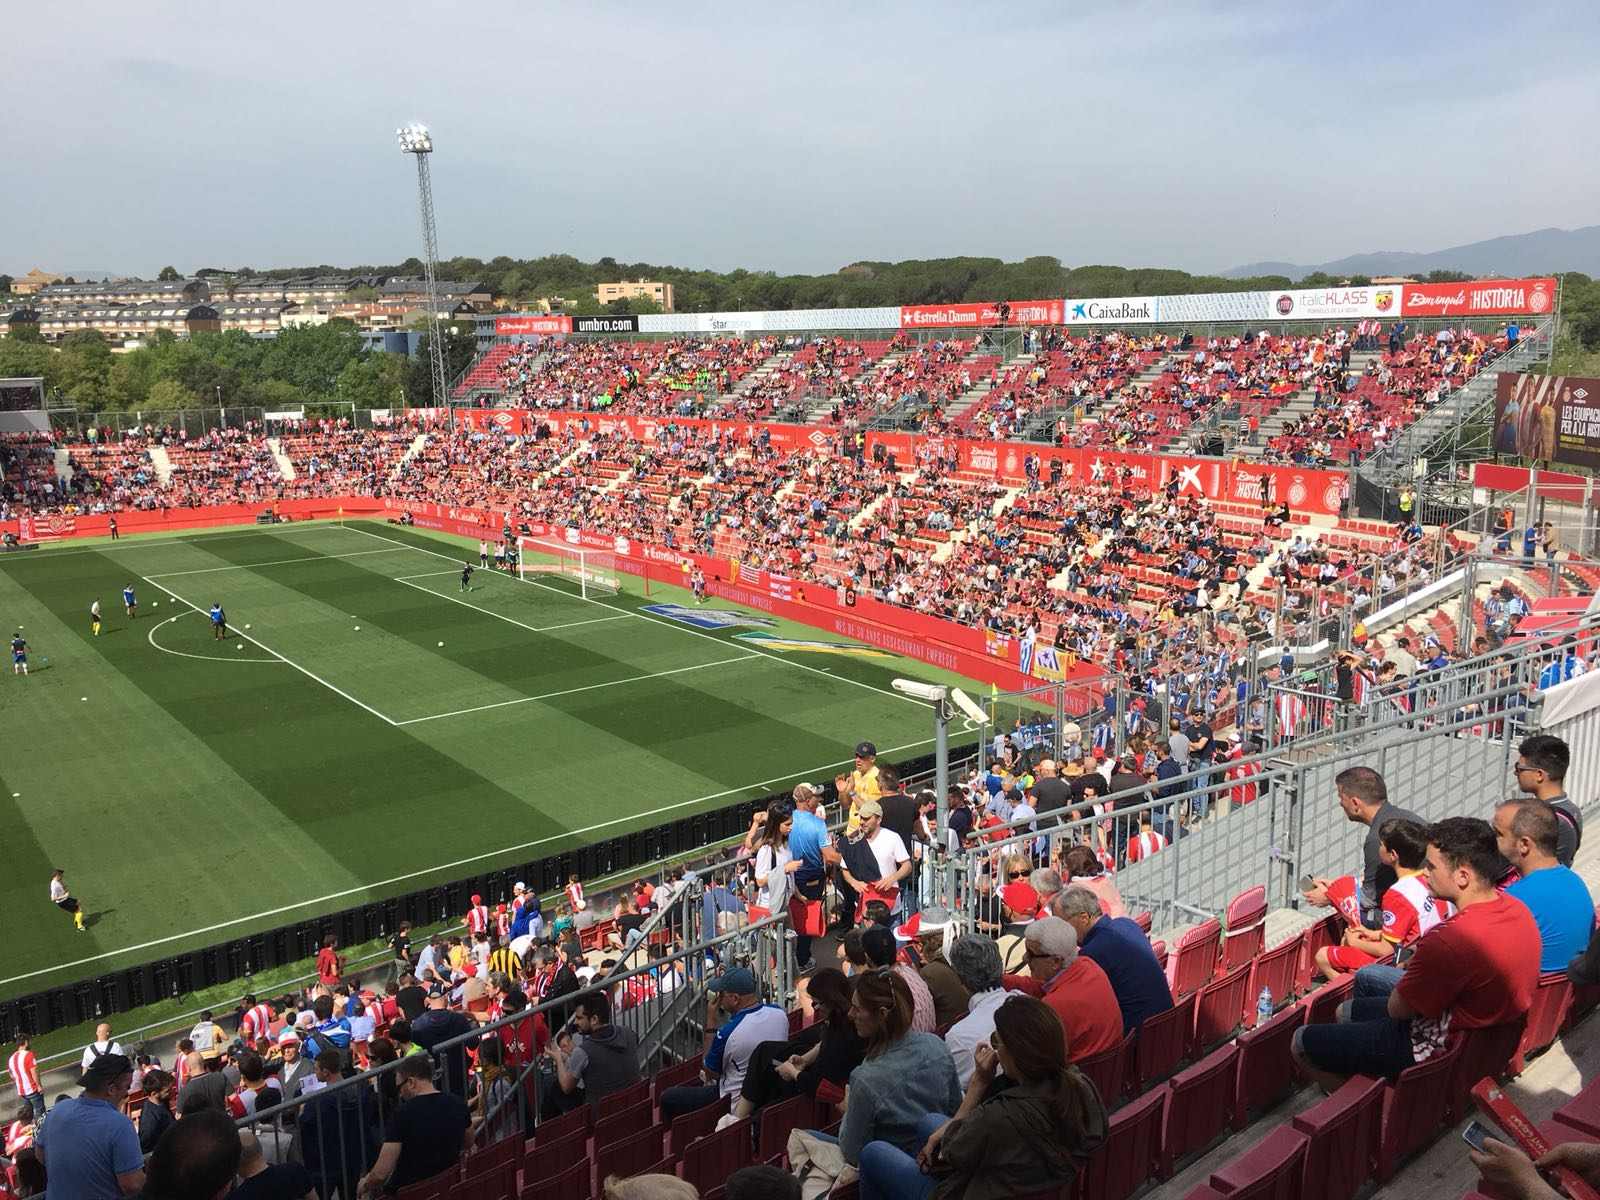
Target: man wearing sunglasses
[[1073, 985], [1541, 772]]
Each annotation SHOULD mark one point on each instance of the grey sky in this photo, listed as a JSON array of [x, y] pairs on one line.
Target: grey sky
[[797, 137]]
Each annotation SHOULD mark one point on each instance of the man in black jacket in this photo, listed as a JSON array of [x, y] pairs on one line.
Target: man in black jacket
[[438, 1025]]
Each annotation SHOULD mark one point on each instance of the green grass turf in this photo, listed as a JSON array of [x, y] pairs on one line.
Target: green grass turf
[[195, 791]]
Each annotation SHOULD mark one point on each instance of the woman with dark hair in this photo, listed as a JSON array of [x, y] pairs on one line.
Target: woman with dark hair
[[774, 863], [1032, 1137], [884, 1106], [826, 1051], [1084, 869]]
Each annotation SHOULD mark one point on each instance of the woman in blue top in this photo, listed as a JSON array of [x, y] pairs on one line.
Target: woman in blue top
[[906, 1075]]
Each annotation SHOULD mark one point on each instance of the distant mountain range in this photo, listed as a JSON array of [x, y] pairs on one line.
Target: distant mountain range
[[1543, 252]]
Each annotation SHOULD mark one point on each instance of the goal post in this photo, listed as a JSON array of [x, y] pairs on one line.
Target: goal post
[[593, 571]]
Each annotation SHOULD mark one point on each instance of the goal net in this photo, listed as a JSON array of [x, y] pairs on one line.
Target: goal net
[[593, 571]]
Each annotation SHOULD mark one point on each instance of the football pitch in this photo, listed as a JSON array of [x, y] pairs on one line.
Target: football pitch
[[367, 729]]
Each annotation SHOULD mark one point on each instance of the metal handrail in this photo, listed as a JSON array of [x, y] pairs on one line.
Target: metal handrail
[[735, 946]]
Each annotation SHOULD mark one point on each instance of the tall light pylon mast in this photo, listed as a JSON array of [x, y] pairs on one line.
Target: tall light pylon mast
[[417, 141]]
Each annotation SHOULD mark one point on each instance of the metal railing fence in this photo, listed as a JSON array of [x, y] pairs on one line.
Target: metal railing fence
[[336, 1129]]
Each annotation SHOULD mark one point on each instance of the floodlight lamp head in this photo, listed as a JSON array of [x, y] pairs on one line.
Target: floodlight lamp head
[[414, 139]]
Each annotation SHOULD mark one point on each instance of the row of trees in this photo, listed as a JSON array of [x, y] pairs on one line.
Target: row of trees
[[309, 367], [861, 285]]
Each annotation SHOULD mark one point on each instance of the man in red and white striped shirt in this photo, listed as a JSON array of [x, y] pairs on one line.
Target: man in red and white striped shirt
[[24, 1070], [256, 1023], [1148, 841], [477, 918]]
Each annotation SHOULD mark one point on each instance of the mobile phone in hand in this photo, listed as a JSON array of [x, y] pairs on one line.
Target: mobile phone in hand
[[1307, 882], [1474, 1134]]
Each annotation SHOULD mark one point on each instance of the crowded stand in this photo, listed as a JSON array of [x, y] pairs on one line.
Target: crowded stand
[[1096, 569], [1358, 412], [1030, 1034]]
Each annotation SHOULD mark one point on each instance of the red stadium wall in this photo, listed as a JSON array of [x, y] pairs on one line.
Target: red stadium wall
[[175, 519]]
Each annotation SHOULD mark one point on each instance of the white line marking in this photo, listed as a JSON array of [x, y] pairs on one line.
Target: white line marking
[[424, 575], [449, 866], [588, 687], [491, 613], [893, 695], [278, 562], [151, 638], [282, 658]]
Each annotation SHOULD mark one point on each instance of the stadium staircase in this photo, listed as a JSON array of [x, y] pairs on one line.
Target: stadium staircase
[[979, 391], [285, 463], [63, 466], [1445, 427], [162, 462], [418, 444]]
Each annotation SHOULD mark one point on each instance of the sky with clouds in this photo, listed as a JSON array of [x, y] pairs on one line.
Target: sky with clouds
[[795, 137]]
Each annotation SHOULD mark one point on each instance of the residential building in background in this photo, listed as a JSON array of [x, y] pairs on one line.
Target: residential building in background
[[32, 282], [636, 289]]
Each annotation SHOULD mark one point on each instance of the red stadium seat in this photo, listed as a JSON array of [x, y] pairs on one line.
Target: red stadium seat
[[1275, 970], [1220, 1009], [1195, 960], [574, 1183], [579, 1120], [1343, 1130], [709, 1160], [1322, 1005], [629, 1157], [1132, 1152], [1266, 1068], [1272, 1169], [1245, 929], [623, 1098], [777, 1121], [1105, 1070], [1164, 1041], [1551, 1002], [622, 1125], [546, 1159], [1202, 1105], [1412, 1108]]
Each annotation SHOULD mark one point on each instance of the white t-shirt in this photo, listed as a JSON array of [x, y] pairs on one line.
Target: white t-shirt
[[99, 1049], [770, 863], [889, 850]]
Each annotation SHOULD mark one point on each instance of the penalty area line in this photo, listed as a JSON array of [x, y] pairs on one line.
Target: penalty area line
[[426, 871]]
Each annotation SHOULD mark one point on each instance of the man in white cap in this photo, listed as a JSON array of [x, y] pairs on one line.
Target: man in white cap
[[929, 932], [296, 1069]]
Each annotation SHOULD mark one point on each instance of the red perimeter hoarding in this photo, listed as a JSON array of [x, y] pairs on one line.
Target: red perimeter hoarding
[[972, 316], [512, 326], [1480, 297]]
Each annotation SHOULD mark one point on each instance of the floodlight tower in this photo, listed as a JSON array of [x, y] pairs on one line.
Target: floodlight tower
[[416, 140]]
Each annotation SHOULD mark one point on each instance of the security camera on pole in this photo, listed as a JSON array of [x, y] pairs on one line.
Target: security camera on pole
[[941, 698]]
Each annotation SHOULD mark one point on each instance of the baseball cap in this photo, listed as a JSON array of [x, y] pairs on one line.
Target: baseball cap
[[869, 808], [737, 980], [288, 1035], [476, 899], [866, 750], [519, 886], [106, 1068]]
